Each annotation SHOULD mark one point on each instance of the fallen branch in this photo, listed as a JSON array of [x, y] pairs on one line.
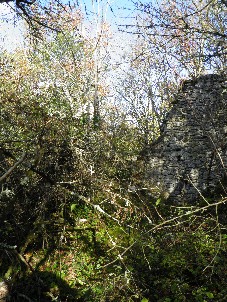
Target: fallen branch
[[7, 173]]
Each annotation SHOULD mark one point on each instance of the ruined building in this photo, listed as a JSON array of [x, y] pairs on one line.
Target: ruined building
[[190, 156]]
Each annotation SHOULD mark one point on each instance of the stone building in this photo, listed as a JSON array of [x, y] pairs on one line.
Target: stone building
[[190, 156]]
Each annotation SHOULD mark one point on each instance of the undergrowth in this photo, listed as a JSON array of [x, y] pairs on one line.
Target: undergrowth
[[123, 252]]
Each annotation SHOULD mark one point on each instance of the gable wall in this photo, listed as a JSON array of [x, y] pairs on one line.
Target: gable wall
[[190, 156]]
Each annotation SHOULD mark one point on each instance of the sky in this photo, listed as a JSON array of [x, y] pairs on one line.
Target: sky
[[115, 12], [10, 32]]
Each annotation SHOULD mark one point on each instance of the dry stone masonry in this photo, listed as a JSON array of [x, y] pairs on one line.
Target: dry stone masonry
[[190, 156]]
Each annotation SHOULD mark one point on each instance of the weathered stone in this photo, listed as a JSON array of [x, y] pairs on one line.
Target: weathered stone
[[190, 156]]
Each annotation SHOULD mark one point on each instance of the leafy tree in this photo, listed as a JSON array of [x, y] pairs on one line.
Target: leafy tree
[[190, 34], [147, 90], [45, 95], [40, 16]]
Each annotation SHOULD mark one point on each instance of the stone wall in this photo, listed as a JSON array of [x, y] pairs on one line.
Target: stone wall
[[190, 156]]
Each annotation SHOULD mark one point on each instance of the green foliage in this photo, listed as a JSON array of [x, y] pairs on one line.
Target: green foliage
[[77, 220]]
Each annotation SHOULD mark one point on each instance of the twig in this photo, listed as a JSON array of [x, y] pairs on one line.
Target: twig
[[165, 224], [201, 195], [223, 201], [25, 297]]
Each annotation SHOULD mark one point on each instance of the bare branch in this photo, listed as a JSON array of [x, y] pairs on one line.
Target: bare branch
[[19, 2], [167, 223], [7, 173]]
